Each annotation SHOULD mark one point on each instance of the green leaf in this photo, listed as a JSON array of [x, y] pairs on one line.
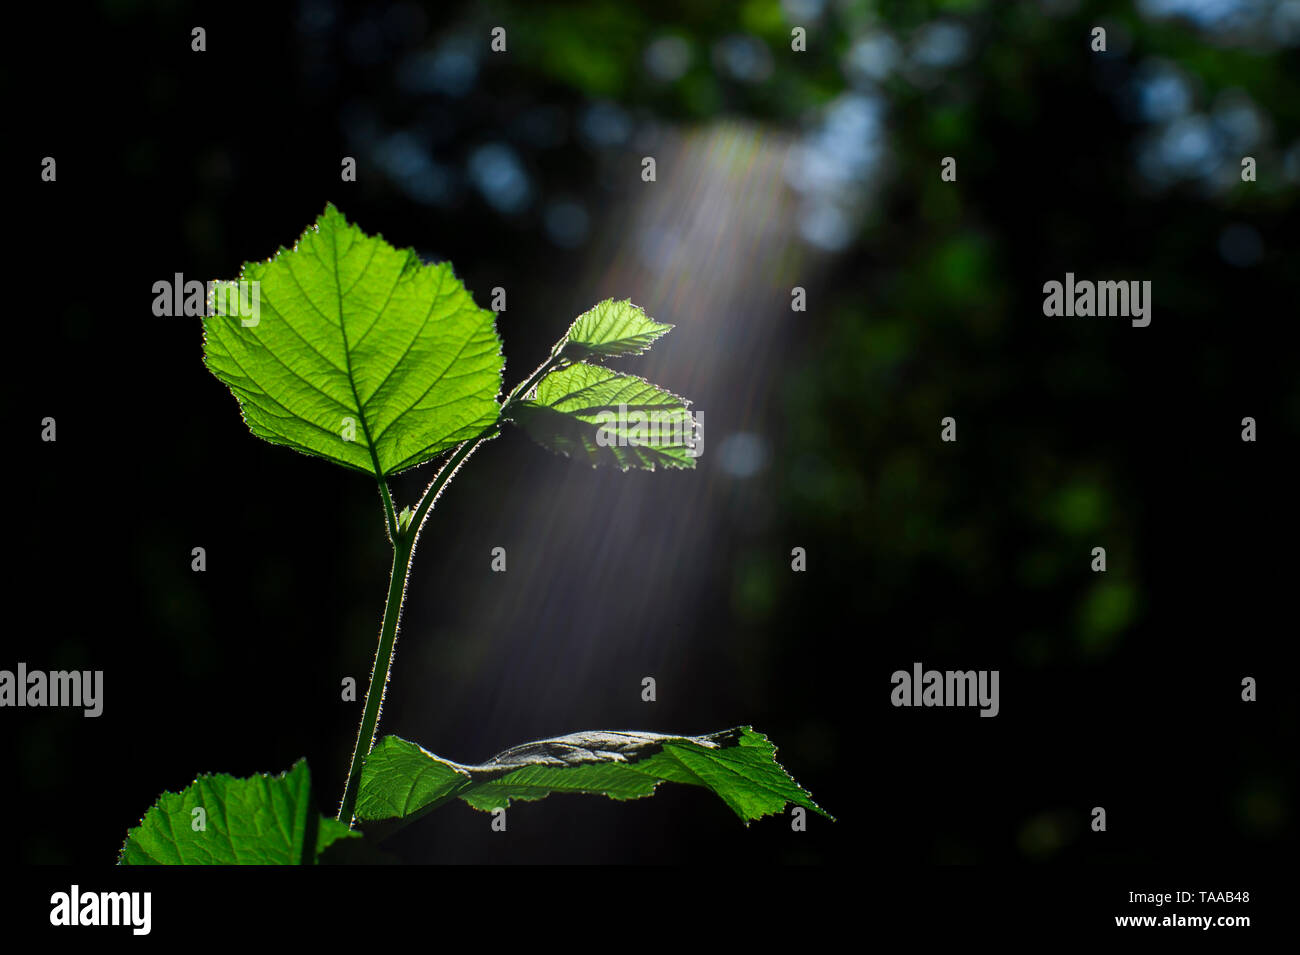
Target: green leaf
[[359, 353], [261, 820], [590, 412], [612, 328], [404, 518], [330, 832], [400, 780]]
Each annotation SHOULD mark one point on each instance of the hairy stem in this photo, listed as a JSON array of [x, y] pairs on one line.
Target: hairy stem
[[403, 553], [402, 550], [390, 515]]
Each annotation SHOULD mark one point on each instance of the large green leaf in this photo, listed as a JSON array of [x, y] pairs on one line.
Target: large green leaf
[[603, 417], [360, 353], [400, 780], [612, 328], [261, 820]]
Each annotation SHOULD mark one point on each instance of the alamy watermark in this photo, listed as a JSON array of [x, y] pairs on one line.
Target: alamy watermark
[[946, 688], [76, 908], [656, 428], [176, 297], [79, 688], [1085, 299]]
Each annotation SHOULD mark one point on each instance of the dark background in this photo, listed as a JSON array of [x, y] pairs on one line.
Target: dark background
[[775, 169]]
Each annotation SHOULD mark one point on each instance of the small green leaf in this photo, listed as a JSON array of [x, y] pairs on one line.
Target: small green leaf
[[359, 353], [400, 780], [590, 412], [330, 832], [612, 328], [404, 518], [261, 820]]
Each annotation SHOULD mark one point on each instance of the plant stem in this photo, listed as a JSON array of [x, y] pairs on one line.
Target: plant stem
[[390, 515], [403, 553], [402, 550]]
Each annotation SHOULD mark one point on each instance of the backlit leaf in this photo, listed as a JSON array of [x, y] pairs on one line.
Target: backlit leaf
[[605, 418], [356, 351], [401, 780], [612, 328], [261, 820]]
